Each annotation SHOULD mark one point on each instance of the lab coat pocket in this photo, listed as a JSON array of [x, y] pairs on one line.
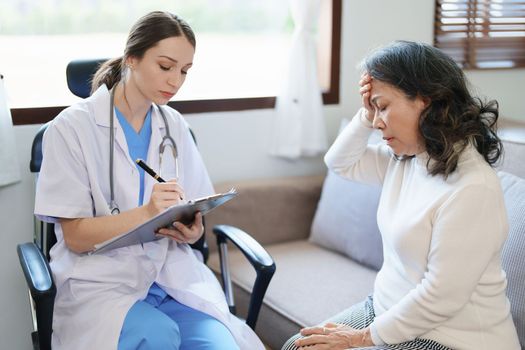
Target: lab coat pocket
[[186, 272], [168, 169], [99, 272], [182, 263]]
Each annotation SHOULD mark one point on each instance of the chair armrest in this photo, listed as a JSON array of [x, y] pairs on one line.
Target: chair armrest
[[42, 288], [258, 257]]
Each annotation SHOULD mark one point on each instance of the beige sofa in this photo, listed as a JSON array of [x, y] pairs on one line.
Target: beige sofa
[[316, 278]]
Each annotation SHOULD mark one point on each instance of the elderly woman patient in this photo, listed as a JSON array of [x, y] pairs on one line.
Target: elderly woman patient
[[441, 214]]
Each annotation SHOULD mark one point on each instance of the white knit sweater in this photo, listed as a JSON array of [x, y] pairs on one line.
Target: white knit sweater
[[442, 239]]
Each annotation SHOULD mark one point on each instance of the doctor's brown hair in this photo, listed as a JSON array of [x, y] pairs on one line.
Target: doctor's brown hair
[[146, 33]]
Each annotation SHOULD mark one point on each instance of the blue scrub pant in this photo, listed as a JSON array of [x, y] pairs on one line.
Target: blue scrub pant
[[160, 322]]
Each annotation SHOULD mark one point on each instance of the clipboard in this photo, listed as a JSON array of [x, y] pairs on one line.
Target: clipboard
[[184, 213]]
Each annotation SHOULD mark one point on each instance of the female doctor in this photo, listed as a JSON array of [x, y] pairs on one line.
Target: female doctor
[[157, 295]]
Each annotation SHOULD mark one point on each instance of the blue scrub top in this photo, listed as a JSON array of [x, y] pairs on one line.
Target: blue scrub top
[[138, 144]]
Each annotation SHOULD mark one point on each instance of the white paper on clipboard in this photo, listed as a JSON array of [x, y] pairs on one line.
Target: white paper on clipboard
[[181, 212]]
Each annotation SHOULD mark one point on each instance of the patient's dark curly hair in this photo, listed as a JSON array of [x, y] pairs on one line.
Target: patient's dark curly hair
[[454, 118]]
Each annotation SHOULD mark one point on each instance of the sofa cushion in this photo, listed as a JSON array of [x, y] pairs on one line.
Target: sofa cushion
[[513, 257], [346, 220], [291, 304], [262, 202]]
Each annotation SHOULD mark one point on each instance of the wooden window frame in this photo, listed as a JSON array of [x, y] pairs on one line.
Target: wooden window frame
[[39, 115], [477, 45]]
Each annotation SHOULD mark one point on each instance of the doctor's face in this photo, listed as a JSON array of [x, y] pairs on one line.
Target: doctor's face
[[160, 73]]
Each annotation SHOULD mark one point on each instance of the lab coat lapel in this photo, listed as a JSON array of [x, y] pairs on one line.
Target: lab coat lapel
[[157, 131], [102, 99], [122, 145]]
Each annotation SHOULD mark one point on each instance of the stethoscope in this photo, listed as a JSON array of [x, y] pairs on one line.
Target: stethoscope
[[167, 140]]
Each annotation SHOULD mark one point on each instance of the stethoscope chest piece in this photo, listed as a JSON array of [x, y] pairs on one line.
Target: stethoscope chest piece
[[115, 210]]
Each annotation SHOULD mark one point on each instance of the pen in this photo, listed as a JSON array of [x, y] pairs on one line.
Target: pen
[[153, 174], [150, 171]]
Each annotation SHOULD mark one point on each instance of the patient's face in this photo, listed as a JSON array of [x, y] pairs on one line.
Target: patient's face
[[397, 117], [163, 68]]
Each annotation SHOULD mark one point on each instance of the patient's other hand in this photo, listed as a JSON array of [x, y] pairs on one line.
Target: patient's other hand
[[333, 336]]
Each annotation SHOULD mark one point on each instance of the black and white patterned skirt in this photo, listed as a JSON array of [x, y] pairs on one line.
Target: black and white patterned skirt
[[361, 316]]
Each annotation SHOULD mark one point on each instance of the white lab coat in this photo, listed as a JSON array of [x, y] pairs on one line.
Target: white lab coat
[[95, 292]]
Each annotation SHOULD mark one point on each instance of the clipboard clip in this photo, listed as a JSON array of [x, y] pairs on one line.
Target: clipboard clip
[[212, 197]]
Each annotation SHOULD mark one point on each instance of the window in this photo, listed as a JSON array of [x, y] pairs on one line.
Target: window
[[238, 64], [482, 34]]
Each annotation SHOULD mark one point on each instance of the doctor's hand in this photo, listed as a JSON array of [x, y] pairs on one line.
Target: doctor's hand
[[365, 90], [164, 195], [333, 336], [184, 234]]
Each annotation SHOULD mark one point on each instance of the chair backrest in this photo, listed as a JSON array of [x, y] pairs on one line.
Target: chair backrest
[[79, 74]]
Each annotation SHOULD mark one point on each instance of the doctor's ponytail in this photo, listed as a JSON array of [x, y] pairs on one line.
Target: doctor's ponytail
[[146, 33], [109, 73]]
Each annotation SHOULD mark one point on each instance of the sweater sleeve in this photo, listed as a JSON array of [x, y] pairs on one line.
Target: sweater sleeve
[[469, 229], [351, 157]]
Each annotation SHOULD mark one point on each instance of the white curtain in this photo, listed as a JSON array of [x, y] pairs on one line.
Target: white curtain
[[299, 126], [9, 171]]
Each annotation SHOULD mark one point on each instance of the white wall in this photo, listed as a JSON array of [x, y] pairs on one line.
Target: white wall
[[368, 24], [234, 144], [16, 226], [505, 86]]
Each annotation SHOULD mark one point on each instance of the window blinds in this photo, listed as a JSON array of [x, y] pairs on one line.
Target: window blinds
[[482, 34]]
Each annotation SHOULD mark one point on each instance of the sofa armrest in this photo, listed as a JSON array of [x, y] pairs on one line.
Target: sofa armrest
[[271, 210]]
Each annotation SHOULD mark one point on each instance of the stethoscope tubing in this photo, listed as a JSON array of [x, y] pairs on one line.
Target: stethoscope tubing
[[112, 204]]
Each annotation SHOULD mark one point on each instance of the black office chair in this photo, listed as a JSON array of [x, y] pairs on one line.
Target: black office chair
[[34, 256]]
